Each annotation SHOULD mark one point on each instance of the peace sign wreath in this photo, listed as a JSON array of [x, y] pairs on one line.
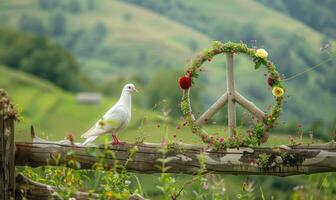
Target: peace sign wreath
[[265, 122]]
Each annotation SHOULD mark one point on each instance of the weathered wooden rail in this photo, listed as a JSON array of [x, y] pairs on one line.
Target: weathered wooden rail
[[277, 161]]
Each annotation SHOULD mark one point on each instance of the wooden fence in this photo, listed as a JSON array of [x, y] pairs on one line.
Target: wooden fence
[[183, 158]]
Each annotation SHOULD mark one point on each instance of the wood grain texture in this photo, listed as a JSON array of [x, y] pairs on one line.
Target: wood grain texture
[[11, 155], [3, 166], [7, 154], [283, 161], [230, 92]]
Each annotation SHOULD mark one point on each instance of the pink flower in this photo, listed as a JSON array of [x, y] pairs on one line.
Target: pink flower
[[205, 185]]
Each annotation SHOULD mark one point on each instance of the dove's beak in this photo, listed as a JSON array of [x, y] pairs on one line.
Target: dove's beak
[[135, 90]]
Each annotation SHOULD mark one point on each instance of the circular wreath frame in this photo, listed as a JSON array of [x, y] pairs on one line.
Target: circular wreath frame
[[257, 134]]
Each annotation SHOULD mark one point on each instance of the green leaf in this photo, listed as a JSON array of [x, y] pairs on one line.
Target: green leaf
[[262, 194], [160, 188], [258, 64]]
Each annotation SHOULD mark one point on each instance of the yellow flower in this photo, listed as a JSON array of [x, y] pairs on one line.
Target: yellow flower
[[278, 91], [109, 194], [261, 53]]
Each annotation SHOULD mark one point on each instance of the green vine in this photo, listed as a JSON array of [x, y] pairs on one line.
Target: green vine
[[257, 134]]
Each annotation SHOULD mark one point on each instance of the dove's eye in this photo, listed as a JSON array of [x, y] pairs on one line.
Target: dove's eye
[[129, 87]]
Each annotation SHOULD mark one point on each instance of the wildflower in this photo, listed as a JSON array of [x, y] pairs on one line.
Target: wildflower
[[270, 81], [185, 82], [205, 185], [109, 194], [127, 182], [221, 139], [261, 53], [277, 91], [71, 137]]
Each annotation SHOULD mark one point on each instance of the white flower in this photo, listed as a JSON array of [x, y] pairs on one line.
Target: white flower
[[127, 182], [261, 53]]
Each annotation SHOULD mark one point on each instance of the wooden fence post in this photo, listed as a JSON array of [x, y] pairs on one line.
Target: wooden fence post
[[7, 149]]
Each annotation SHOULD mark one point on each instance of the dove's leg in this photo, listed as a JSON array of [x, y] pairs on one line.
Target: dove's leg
[[115, 140]]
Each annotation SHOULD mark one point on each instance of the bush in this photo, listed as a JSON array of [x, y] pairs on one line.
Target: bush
[[31, 24], [74, 6], [37, 56], [57, 24], [48, 4]]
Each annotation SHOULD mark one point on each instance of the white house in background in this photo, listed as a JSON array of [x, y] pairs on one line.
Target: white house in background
[[89, 98]]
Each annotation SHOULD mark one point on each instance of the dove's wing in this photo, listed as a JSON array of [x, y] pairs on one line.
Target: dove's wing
[[112, 121]]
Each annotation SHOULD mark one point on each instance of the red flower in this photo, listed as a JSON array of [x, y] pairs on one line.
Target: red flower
[[185, 82], [270, 81]]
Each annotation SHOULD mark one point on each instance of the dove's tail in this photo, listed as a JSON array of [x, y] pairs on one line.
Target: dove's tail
[[89, 140]]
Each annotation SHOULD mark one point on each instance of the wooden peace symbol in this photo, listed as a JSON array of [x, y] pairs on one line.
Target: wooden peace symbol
[[231, 96]]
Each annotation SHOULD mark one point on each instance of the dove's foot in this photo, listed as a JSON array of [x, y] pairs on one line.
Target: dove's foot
[[116, 141]]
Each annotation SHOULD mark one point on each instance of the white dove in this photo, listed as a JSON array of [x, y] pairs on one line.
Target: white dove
[[115, 119]]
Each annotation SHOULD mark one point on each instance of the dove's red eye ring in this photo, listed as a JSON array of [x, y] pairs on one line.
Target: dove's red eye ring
[[257, 134]]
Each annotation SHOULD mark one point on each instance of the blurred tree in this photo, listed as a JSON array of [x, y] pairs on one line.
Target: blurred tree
[[49, 4], [53, 64], [14, 47], [74, 6], [72, 38], [90, 40], [37, 56], [91, 4], [57, 23], [100, 30], [32, 24], [318, 128]]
